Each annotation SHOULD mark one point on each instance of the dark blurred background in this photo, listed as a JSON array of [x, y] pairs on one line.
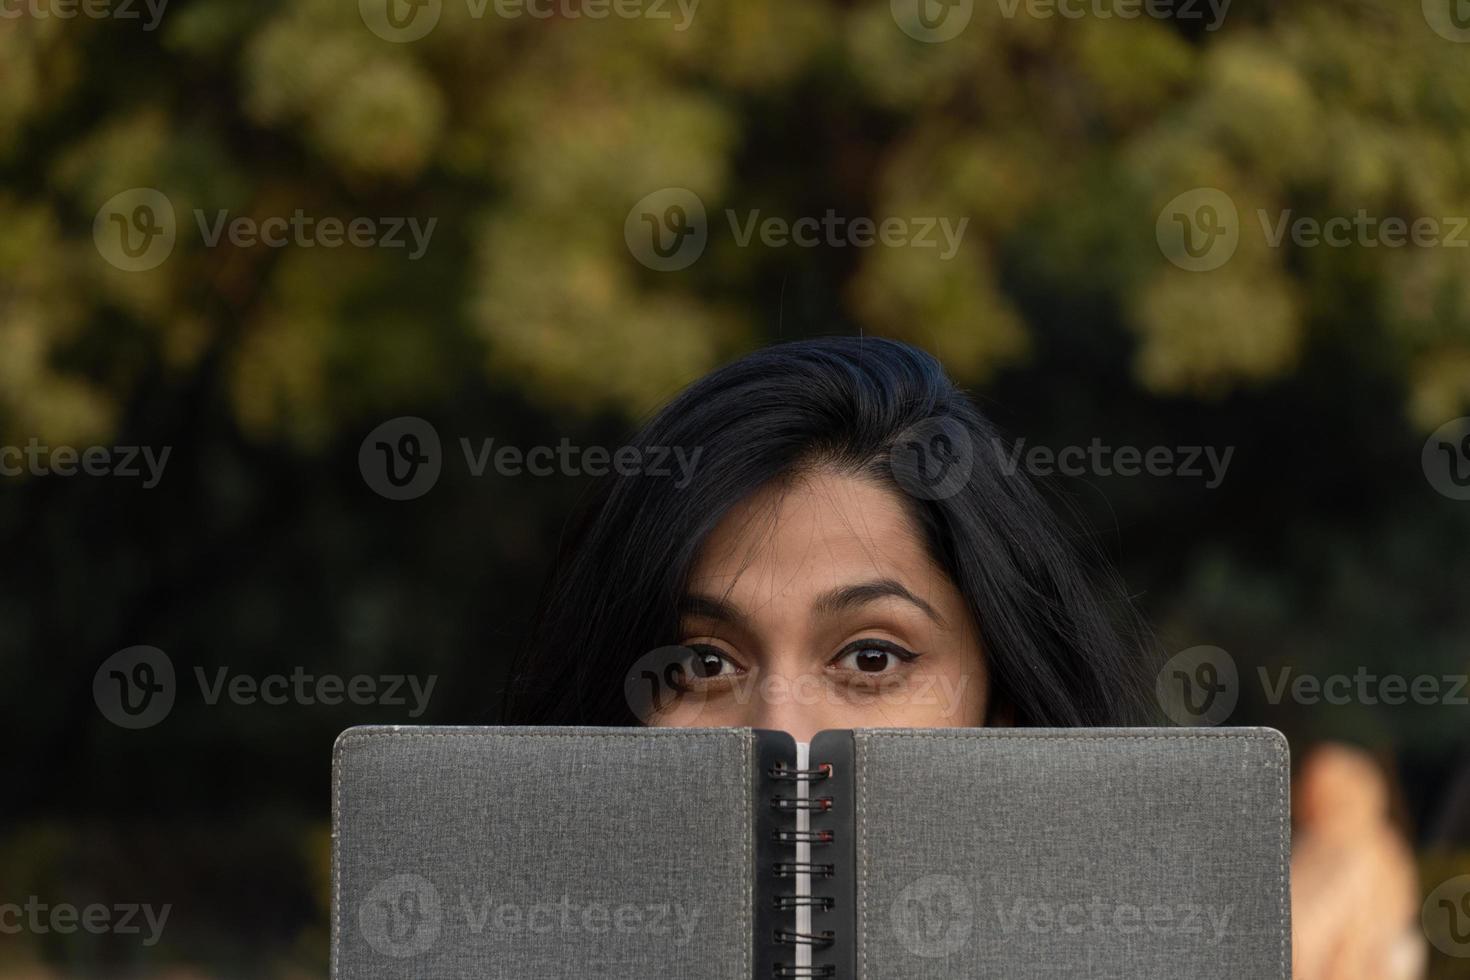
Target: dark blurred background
[[1331, 544]]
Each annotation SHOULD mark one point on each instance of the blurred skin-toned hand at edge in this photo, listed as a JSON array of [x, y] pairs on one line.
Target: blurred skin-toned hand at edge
[[1355, 891]]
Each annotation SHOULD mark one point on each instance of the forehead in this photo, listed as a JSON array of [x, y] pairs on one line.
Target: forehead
[[805, 535]]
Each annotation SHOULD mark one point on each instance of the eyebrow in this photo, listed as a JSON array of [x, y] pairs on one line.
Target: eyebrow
[[838, 600], [709, 607], [850, 596]]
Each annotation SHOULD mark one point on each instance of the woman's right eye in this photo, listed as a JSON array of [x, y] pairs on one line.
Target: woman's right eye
[[707, 663]]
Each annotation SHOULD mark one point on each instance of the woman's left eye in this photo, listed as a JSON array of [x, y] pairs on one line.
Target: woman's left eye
[[872, 657]]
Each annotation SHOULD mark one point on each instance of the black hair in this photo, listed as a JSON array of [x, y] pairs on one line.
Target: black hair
[[1062, 643]]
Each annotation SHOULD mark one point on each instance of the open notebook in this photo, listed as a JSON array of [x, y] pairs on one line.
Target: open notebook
[[876, 854]]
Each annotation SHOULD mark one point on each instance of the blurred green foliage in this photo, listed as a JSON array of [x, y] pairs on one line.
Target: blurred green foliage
[[530, 140]]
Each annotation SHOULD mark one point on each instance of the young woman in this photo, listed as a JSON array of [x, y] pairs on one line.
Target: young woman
[[853, 549]]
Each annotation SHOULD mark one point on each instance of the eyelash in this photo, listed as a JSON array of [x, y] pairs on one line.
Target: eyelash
[[902, 654]]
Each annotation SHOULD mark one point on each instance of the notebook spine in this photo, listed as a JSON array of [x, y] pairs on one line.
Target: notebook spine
[[833, 825], [801, 880], [773, 749], [804, 853]]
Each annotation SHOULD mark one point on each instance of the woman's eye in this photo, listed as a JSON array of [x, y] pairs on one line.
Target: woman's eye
[[869, 657], [707, 662]]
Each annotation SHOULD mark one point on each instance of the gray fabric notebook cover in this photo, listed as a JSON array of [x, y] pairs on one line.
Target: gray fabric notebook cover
[[541, 854], [1086, 853], [976, 853]]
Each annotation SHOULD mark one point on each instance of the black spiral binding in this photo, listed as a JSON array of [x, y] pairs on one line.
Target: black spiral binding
[[790, 869]]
